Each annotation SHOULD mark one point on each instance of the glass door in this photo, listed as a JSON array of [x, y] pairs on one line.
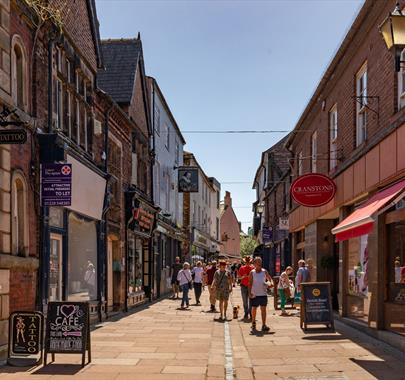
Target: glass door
[[55, 268]]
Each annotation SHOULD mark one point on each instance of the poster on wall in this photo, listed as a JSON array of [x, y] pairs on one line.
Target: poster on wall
[[358, 275], [56, 184], [188, 180]]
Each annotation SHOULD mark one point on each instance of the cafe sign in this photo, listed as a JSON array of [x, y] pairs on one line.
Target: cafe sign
[[313, 190]]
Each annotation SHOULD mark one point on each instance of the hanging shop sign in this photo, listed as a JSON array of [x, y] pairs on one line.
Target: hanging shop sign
[[283, 223], [188, 179], [13, 136], [144, 218], [56, 184], [267, 235], [313, 190], [316, 304], [25, 338], [68, 329]]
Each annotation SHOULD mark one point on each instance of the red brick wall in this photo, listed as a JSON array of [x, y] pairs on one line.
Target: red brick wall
[[76, 23], [23, 285]]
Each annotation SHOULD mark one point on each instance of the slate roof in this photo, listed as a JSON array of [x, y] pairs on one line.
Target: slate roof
[[120, 59]]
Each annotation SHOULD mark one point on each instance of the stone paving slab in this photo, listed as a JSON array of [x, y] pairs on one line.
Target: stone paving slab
[[163, 343]]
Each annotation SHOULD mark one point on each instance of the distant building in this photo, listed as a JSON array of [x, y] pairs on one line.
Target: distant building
[[230, 229], [201, 215]]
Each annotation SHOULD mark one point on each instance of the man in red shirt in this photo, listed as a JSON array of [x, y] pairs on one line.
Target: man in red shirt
[[210, 278], [243, 275]]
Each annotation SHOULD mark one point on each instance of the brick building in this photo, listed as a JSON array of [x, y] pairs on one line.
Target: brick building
[[354, 128]]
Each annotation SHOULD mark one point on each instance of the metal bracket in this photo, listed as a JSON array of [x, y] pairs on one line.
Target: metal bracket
[[370, 100], [5, 114]]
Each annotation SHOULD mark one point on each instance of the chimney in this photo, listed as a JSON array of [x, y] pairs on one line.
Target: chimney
[[227, 199]]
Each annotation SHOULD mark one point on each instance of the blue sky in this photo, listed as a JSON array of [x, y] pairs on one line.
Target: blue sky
[[233, 65]]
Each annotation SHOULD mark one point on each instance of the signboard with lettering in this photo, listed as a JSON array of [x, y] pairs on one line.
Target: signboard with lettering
[[56, 184], [68, 329], [316, 304], [13, 136], [313, 190], [25, 338], [267, 235], [144, 218]]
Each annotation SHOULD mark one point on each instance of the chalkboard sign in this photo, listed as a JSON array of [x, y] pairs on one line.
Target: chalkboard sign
[[316, 304], [68, 329], [26, 331]]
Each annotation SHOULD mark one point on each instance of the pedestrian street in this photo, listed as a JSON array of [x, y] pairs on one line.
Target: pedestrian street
[[160, 341]]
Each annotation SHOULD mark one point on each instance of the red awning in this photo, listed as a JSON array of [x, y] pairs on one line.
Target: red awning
[[360, 222]]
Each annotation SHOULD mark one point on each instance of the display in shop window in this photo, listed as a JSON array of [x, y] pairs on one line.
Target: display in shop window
[[358, 274]]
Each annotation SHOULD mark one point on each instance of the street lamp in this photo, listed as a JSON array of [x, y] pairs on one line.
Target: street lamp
[[260, 208], [393, 32]]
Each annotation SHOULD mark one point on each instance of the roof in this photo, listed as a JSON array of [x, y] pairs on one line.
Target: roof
[[95, 30], [279, 159], [120, 58]]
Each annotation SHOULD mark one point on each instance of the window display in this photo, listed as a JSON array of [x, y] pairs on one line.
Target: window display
[[396, 262], [135, 258], [82, 259]]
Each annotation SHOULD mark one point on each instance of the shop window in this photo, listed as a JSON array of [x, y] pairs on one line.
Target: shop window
[[82, 259], [135, 259], [19, 215], [333, 131], [361, 105], [19, 73], [358, 276]]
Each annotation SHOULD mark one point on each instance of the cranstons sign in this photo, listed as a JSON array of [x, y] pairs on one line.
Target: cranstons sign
[[313, 190]]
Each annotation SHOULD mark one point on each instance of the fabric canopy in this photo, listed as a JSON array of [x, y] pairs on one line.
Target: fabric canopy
[[361, 221]]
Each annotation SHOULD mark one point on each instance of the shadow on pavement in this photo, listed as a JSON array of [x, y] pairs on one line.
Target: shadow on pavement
[[325, 337], [58, 369]]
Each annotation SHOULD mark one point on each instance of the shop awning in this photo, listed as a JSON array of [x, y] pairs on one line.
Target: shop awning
[[361, 221]]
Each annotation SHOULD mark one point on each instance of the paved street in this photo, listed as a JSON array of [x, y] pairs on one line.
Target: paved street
[[161, 342]]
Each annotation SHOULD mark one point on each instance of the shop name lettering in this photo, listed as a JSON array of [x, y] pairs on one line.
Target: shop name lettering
[[313, 189], [30, 340], [144, 218], [12, 137]]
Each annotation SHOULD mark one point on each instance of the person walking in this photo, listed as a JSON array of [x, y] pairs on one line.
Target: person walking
[[185, 281], [283, 288], [176, 267], [303, 275], [223, 287], [243, 275], [210, 278], [197, 274], [259, 281]]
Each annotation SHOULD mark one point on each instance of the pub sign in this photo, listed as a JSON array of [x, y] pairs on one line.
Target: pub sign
[[188, 180]]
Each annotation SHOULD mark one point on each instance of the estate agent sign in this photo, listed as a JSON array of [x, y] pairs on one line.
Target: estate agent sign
[[313, 190], [316, 305], [25, 338], [68, 329], [56, 184]]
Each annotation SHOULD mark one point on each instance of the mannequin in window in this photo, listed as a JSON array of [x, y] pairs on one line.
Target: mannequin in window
[[90, 279]]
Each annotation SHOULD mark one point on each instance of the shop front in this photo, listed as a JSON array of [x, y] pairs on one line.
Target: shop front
[[372, 238], [75, 253], [201, 248], [139, 259]]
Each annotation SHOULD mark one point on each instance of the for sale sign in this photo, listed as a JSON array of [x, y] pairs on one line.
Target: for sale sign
[[56, 184]]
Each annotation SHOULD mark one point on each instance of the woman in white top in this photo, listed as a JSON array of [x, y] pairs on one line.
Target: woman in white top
[[185, 280], [198, 279]]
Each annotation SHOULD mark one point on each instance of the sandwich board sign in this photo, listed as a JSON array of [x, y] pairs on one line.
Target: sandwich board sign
[[25, 338], [316, 304], [68, 329]]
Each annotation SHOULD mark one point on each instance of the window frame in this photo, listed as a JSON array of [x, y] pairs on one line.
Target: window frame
[[361, 105], [314, 151], [17, 42], [333, 134]]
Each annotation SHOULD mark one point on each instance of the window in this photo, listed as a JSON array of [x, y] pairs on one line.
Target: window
[[67, 114], [157, 120], [333, 130], [19, 73], [361, 105], [157, 182], [401, 83], [314, 151], [58, 104], [177, 153], [19, 215], [167, 136], [299, 163]]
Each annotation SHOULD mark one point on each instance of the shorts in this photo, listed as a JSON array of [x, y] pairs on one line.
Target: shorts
[[174, 281], [259, 301]]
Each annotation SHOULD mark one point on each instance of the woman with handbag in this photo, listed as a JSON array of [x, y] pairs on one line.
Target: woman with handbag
[[186, 283], [283, 288]]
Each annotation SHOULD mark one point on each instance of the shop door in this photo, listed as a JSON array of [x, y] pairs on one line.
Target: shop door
[[110, 297], [55, 268]]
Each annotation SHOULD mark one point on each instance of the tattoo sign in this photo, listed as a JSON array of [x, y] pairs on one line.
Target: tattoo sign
[[25, 338]]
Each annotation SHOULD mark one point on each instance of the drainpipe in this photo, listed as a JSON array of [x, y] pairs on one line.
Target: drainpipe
[[44, 210], [104, 229]]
